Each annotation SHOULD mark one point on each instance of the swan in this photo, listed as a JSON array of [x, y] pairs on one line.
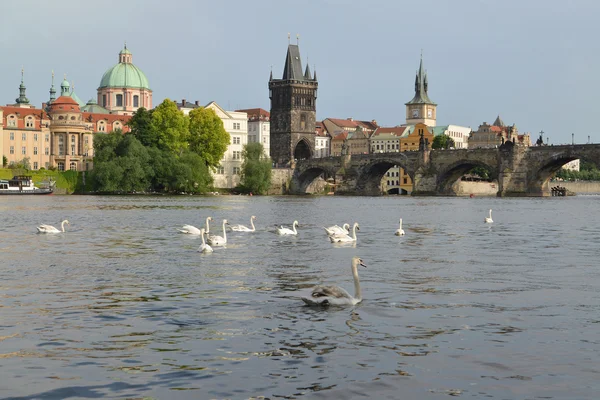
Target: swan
[[207, 231], [192, 230], [489, 219], [204, 248], [218, 240], [51, 229], [287, 231], [335, 295], [399, 231], [337, 230], [346, 238], [242, 228]]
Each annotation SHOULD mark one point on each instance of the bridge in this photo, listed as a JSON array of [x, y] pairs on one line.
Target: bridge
[[520, 171]]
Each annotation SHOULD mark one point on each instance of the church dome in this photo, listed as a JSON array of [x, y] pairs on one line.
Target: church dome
[[65, 103], [124, 74]]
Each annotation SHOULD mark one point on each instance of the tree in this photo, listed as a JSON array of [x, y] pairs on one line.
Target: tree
[[256, 169], [442, 142], [141, 127], [208, 138], [168, 128], [4, 161]]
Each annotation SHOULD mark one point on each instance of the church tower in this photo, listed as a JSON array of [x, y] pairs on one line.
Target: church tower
[[421, 109], [293, 110]]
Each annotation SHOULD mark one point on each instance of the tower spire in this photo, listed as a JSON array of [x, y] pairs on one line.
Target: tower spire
[[22, 99], [52, 90]]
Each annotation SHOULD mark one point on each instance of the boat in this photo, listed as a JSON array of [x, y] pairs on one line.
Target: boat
[[21, 185]]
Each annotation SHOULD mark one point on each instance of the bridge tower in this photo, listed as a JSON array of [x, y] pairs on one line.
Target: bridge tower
[[421, 109], [293, 110]]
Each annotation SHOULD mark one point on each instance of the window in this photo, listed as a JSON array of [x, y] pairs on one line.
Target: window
[[47, 151], [35, 137], [12, 149], [236, 170], [220, 170], [405, 181], [12, 121], [303, 121], [29, 123], [264, 127], [237, 155], [23, 136], [35, 151], [35, 165], [136, 101], [236, 125], [236, 140], [86, 140], [73, 166], [61, 150], [72, 138], [103, 100], [47, 137], [264, 139], [119, 100], [23, 150], [61, 166], [12, 136], [72, 149], [101, 127]]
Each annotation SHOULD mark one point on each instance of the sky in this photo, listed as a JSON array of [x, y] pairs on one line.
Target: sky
[[536, 63]]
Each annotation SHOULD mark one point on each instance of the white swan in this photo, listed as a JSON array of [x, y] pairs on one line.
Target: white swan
[[335, 295], [399, 231], [288, 231], [218, 240], [345, 238], [242, 228], [337, 230], [489, 219], [204, 248], [207, 231], [51, 229], [192, 230]]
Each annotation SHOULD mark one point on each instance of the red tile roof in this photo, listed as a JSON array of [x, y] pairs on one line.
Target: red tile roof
[[350, 123], [64, 103], [396, 131], [341, 136], [256, 114]]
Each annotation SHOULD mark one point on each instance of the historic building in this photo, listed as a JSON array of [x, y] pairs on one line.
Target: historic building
[[124, 88], [322, 141], [293, 111], [337, 125], [492, 136], [387, 140], [420, 133], [421, 109], [354, 142], [259, 127]]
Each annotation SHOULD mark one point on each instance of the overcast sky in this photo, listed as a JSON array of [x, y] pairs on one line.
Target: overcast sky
[[534, 62]]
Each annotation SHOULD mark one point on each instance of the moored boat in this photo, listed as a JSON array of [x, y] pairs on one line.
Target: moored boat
[[21, 185]]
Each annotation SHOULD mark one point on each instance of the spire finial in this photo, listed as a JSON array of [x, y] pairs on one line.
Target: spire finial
[[52, 76], [421, 54], [297, 38], [126, 44], [22, 73], [288, 38], [64, 77]]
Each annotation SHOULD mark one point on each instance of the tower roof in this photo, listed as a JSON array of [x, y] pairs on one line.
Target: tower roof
[[421, 96], [124, 74], [293, 64], [499, 122], [22, 99]]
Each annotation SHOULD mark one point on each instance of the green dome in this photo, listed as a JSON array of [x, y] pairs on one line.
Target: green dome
[[124, 75]]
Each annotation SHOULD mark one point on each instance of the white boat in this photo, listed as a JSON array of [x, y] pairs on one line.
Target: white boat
[[21, 184]]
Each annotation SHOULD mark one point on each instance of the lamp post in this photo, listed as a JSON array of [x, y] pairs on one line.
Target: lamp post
[[572, 138]]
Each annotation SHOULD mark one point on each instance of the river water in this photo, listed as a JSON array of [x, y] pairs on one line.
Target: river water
[[123, 306]]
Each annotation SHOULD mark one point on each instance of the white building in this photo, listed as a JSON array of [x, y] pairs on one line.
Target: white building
[[259, 127], [387, 140], [227, 175], [460, 134], [322, 141], [572, 165]]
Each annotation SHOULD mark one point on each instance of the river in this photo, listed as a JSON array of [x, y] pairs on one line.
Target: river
[[123, 306]]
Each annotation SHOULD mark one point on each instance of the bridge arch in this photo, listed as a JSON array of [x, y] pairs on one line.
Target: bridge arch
[[448, 177], [548, 167], [370, 175], [304, 176]]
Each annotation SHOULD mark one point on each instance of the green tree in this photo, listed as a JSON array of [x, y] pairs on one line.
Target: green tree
[[168, 128], [141, 127], [4, 161], [442, 142], [256, 169], [208, 138]]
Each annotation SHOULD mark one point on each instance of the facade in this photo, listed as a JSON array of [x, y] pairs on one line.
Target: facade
[[421, 110], [259, 127], [492, 136], [293, 111], [124, 88], [411, 142], [572, 165], [337, 125], [387, 140], [236, 124], [344, 143], [322, 141], [460, 135]]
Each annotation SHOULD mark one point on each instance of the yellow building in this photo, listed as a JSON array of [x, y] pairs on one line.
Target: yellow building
[[411, 142]]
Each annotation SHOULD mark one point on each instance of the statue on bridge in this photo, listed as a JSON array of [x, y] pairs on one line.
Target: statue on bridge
[[344, 148], [421, 141]]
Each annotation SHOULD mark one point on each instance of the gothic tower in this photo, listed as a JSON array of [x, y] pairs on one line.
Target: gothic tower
[[293, 110], [421, 109]]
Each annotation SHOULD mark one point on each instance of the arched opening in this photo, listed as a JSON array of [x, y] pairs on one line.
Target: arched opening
[[384, 177], [554, 174], [302, 151], [316, 181], [467, 177]]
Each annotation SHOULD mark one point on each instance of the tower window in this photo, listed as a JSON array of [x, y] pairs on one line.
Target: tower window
[[103, 100], [303, 121], [119, 100], [136, 101]]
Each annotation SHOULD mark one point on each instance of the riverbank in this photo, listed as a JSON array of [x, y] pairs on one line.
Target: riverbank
[[66, 182]]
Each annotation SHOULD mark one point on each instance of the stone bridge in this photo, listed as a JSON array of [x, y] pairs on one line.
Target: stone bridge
[[520, 171]]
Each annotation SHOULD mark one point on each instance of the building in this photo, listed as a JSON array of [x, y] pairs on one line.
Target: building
[[412, 142], [336, 125], [344, 143], [492, 136], [460, 135], [124, 88], [293, 111], [322, 141], [421, 110], [572, 165], [259, 127], [387, 140]]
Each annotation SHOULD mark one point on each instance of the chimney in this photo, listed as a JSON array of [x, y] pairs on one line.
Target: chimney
[[197, 102], [182, 102], [350, 119]]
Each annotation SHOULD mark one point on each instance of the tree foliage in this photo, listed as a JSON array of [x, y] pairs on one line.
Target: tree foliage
[[442, 142], [256, 169], [168, 129], [207, 136], [140, 125]]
